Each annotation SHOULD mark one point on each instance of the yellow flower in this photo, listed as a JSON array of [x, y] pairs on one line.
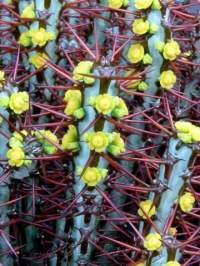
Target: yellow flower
[[74, 101], [148, 207], [116, 145], [40, 36], [135, 53], [186, 202], [2, 77], [183, 126], [97, 141], [19, 102], [143, 4], [153, 241], [104, 103], [167, 79], [172, 263], [28, 12], [120, 108], [115, 3], [84, 67], [16, 156], [70, 139], [25, 39], [92, 175], [48, 146], [37, 59], [140, 26], [171, 50], [4, 99]]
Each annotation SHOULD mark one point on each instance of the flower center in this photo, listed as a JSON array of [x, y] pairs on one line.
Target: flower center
[[97, 141]]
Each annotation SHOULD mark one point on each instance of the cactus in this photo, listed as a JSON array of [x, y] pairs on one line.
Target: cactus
[[99, 132]]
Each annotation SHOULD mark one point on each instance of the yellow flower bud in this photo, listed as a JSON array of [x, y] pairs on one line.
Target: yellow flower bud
[[116, 145], [147, 59], [84, 67], [159, 46], [143, 4], [172, 231], [115, 3], [16, 156], [47, 138], [140, 26], [37, 59], [120, 108], [146, 207], [28, 12], [19, 102], [156, 5], [172, 263], [167, 79], [70, 139], [153, 241], [93, 175], [135, 53], [97, 141], [171, 50], [186, 202], [74, 100], [25, 39], [153, 28], [142, 86], [4, 99]]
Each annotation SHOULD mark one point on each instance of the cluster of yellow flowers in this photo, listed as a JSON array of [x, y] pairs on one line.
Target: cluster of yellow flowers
[[108, 104], [187, 132], [92, 175], [102, 141], [141, 26], [170, 50], [84, 67], [136, 54], [18, 101], [36, 37], [146, 209], [73, 98], [16, 155], [186, 202]]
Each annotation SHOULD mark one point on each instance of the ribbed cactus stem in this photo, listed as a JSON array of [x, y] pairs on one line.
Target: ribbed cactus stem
[[181, 157], [6, 259]]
